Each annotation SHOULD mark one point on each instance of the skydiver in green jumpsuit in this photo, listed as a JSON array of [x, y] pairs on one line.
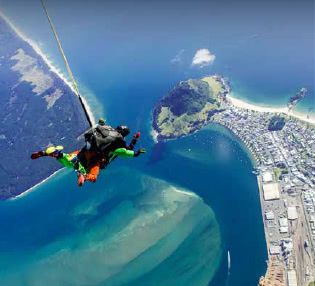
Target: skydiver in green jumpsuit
[[103, 145]]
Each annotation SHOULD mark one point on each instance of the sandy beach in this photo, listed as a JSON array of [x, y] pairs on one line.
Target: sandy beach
[[284, 110]]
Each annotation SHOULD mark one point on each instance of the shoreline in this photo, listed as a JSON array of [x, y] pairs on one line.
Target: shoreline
[[59, 74], [49, 63], [240, 103], [31, 189], [233, 101]]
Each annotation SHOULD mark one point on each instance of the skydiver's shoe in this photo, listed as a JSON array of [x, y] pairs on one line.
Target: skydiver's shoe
[[81, 180], [53, 151], [37, 155]]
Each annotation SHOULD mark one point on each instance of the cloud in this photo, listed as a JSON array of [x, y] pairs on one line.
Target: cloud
[[202, 58], [178, 58]]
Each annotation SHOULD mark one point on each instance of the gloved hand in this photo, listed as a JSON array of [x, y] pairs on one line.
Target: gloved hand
[[81, 179], [140, 151], [137, 135], [91, 178]]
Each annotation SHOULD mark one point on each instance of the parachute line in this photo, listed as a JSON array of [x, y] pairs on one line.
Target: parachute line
[[74, 83]]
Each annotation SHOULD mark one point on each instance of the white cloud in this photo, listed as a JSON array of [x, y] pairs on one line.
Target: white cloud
[[178, 58], [202, 58]]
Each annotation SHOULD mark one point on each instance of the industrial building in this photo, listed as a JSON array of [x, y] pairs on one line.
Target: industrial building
[[271, 191]]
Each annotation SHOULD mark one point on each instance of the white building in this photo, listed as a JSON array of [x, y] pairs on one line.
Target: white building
[[283, 222], [274, 250], [267, 177], [292, 280], [271, 191], [292, 213], [269, 215]]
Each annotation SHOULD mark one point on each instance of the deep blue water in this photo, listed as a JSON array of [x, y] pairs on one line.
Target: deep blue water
[[132, 226], [266, 48]]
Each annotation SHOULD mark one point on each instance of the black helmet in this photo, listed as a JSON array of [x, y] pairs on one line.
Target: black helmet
[[101, 121], [123, 130]]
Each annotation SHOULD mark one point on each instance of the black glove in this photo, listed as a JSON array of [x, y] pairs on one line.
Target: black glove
[[140, 151]]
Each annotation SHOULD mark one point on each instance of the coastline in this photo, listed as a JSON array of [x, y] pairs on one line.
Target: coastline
[[59, 74], [230, 102], [240, 103], [244, 145], [31, 189], [49, 63]]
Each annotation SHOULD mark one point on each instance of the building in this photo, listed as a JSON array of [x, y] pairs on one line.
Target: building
[[269, 215], [271, 191], [292, 213], [274, 250], [283, 222], [292, 281], [267, 177]]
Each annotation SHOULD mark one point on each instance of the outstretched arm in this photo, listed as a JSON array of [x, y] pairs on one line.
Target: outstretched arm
[[124, 152], [134, 141]]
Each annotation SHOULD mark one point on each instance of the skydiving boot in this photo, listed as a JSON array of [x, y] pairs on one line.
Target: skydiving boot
[[52, 151], [37, 155]]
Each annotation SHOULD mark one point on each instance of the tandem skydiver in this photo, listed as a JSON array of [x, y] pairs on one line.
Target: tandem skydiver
[[103, 145]]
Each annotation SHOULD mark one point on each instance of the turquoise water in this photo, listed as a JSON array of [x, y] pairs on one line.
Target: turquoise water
[[139, 224], [107, 234]]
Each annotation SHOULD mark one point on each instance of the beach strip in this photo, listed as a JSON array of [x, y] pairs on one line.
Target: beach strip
[[239, 103]]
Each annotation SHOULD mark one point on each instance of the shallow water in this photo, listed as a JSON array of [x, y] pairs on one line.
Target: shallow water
[[108, 235]]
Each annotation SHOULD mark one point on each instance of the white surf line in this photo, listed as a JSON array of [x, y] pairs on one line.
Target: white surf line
[[36, 186], [48, 62], [154, 135], [187, 193], [58, 73]]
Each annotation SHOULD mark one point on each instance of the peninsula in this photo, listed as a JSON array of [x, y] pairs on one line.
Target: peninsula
[[282, 144], [189, 106], [38, 108]]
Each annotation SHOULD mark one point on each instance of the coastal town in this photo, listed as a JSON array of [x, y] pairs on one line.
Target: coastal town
[[281, 142], [285, 169]]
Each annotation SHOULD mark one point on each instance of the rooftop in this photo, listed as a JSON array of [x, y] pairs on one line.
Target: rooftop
[[271, 191]]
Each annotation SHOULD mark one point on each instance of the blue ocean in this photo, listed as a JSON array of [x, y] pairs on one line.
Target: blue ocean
[[171, 216]]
